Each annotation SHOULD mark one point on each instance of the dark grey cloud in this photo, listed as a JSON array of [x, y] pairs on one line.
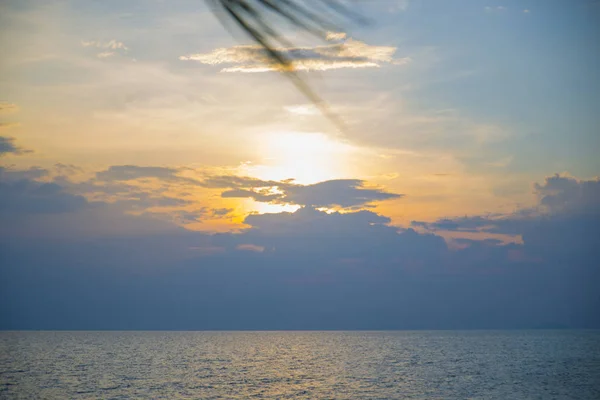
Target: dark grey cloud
[[133, 172], [344, 193], [8, 146], [465, 224], [123, 181], [221, 212], [561, 199], [258, 195], [34, 206], [233, 181], [120, 189], [341, 192], [67, 169], [189, 216], [309, 221], [144, 200], [563, 228], [304, 270], [117, 188], [33, 173], [443, 224], [123, 187], [562, 194], [181, 216], [25, 196]]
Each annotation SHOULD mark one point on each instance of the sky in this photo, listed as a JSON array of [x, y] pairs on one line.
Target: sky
[[158, 172]]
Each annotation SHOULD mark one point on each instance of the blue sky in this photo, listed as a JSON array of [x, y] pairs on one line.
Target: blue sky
[[157, 173]]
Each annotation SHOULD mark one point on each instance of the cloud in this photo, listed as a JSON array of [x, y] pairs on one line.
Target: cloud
[[233, 181], [25, 196], [341, 192], [463, 224], [304, 270], [67, 169], [308, 221], [35, 203], [558, 197], [563, 194], [11, 175], [302, 109], [144, 200], [262, 195], [565, 221], [250, 247], [220, 212], [133, 172], [111, 44], [347, 54], [111, 48], [155, 192], [344, 193], [8, 146], [151, 191], [105, 54], [335, 36], [182, 217], [165, 192]]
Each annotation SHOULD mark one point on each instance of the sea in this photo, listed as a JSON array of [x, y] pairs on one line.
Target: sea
[[538, 364]]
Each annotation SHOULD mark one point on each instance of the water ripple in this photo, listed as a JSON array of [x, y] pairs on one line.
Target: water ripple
[[300, 365]]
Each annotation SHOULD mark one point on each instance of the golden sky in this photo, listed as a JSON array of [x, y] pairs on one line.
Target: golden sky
[[88, 87]]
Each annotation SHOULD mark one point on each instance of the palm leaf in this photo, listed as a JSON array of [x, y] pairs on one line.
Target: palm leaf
[[259, 18]]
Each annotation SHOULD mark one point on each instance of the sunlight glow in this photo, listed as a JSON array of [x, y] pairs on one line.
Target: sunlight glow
[[266, 208], [305, 157]]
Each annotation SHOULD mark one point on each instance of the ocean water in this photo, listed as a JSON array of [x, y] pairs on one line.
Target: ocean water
[[300, 365]]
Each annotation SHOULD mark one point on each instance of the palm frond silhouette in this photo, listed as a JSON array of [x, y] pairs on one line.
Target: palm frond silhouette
[[259, 19]]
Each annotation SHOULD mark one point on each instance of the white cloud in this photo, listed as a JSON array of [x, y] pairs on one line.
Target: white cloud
[[111, 44], [105, 54], [348, 54], [302, 109], [335, 36], [111, 47]]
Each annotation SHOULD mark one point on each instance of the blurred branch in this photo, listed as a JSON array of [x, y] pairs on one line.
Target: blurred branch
[[258, 19]]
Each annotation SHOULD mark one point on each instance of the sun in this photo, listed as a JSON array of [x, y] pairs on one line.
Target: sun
[[266, 208], [304, 157]]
